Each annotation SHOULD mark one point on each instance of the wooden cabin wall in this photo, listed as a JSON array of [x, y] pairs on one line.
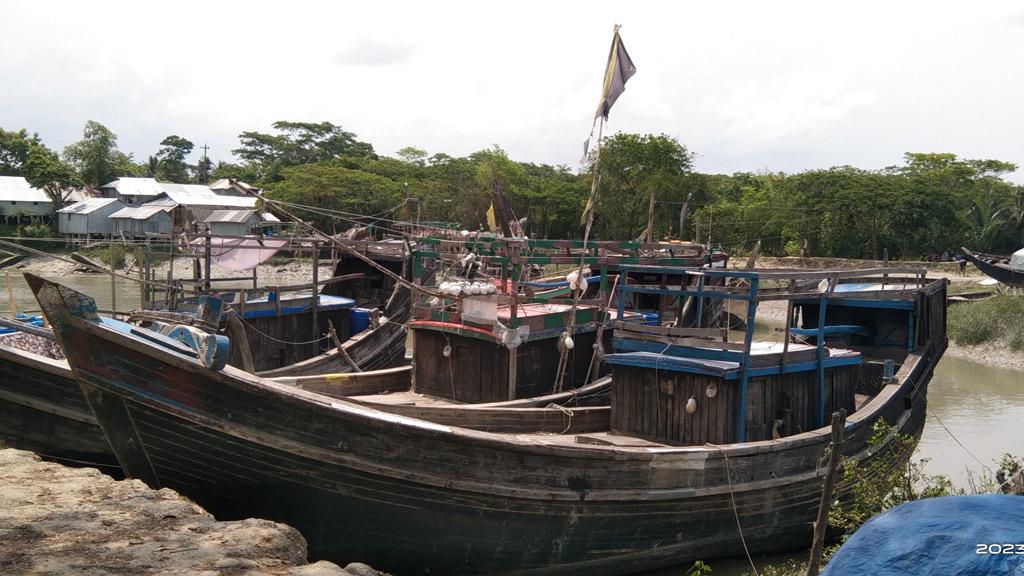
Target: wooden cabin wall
[[268, 353], [479, 369], [476, 371], [652, 404], [890, 326], [871, 377], [794, 400], [932, 320], [374, 290]]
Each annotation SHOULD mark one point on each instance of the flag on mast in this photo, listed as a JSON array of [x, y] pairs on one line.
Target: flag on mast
[[620, 69]]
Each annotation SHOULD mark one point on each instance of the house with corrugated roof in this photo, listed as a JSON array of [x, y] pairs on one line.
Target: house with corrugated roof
[[18, 198], [232, 187], [140, 221], [88, 218], [240, 222], [133, 191]]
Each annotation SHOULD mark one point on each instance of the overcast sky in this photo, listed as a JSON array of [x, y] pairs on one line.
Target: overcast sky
[[748, 86]]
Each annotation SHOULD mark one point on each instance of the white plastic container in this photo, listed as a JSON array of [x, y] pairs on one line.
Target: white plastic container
[[480, 309]]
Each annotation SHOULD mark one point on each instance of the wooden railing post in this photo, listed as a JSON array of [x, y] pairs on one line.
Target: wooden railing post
[[834, 455]]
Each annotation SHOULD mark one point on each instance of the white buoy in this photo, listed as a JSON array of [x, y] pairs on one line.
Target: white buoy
[[691, 405], [447, 352], [712, 390]]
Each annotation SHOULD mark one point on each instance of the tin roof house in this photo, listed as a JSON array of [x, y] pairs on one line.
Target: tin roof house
[[140, 221], [88, 218], [18, 198], [133, 191], [240, 222]]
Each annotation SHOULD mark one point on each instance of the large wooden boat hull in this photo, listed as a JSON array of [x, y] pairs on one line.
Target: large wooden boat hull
[[42, 410], [996, 267], [416, 497]]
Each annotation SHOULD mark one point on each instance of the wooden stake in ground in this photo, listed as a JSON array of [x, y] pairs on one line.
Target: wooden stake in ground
[[10, 295], [834, 454]]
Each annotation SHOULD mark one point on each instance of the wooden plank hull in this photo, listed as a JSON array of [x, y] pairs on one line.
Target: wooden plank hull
[[42, 410], [414, 497]]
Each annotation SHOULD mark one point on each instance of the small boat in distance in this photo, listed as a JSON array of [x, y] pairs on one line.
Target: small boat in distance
[[1007, 269]]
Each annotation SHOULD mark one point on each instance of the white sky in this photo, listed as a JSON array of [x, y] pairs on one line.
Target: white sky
[[749, 86]]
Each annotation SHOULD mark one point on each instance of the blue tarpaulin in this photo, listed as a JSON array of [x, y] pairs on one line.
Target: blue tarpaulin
[[962, 535]]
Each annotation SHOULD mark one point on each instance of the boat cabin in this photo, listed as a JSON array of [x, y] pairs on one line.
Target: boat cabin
[[702, 385], [496, 333]]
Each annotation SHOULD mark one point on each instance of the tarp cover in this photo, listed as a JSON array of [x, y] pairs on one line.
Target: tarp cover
[[938, 536], [1017, 260], [240, 253]]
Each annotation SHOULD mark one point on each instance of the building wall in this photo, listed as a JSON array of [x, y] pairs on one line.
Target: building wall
[[13, 207], [159, 223], [229, 228], [95, 223]]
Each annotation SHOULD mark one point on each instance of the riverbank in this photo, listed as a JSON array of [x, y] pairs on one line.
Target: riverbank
[[62, 521], [286, 271]]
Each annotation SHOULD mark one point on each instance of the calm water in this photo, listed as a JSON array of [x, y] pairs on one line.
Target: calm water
[[982, 406]]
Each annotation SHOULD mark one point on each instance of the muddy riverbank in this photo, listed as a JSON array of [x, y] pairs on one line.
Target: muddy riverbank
[[62, 521]]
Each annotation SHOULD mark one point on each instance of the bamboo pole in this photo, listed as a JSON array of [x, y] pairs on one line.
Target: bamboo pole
[[238, 333], [650, 220], [113, 283], [835, 453], [142, 277], [10, 295], [315, 304]]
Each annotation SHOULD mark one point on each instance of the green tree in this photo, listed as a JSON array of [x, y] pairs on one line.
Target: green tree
[[45, 170], [14, 149], [326, 188], [631, 167], [413, 155], [171, 164], [96, 157], [297, 143]]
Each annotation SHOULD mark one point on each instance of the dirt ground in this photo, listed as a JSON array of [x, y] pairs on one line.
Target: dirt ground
[[60, 521], [290, 271]]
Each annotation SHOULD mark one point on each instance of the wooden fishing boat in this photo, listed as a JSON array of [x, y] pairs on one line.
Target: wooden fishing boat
[[997, 267], [42, 408], [416, 496]]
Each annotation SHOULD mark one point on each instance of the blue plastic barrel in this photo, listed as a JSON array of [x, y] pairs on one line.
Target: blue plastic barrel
[[359, 320], [651, 318]]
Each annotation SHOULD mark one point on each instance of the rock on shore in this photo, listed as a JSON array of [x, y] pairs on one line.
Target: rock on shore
[[56, 520]]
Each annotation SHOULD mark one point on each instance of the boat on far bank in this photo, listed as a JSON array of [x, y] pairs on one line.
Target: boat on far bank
[[1006, 269]]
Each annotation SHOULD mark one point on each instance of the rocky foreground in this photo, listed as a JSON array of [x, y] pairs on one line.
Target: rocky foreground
[[56, 520]]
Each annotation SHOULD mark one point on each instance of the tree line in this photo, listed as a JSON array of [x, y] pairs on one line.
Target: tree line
[[928, 205]]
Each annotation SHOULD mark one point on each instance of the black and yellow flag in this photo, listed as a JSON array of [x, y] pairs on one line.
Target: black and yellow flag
[[620, 69]]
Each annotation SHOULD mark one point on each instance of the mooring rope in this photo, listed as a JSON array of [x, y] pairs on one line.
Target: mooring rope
[[735, 510]]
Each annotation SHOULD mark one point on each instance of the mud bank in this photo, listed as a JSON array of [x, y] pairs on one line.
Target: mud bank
[[59, 521]]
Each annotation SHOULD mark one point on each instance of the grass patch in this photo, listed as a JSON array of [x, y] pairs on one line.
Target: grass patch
[[1001, 316]]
